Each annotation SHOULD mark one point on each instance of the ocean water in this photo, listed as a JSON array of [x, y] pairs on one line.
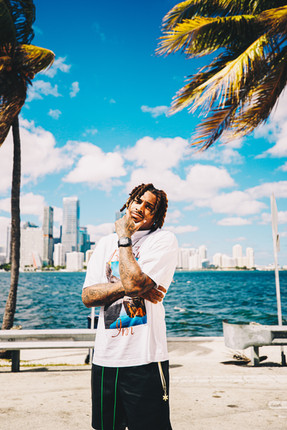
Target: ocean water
[[196, 303]]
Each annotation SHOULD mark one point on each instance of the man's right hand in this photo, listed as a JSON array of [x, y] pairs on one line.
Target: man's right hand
[[154, 295]]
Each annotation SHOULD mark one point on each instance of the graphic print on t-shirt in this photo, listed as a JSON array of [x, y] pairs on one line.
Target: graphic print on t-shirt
[[126, 312]]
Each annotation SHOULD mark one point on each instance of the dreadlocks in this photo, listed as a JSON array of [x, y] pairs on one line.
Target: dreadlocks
[[161, 202]]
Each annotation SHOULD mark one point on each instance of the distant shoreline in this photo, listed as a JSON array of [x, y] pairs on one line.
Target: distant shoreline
[[176, 271]]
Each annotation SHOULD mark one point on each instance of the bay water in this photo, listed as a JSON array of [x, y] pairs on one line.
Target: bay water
[[196, 304]]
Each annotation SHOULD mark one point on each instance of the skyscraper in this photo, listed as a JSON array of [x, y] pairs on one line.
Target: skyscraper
[[59, 257], [31, 249], [84, 240], [237, 255], [8, 244], [250, 258], [48, 235], [70, 227]]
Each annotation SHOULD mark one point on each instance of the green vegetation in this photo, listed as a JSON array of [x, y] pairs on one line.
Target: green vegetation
[[247, 69], [19, 62]]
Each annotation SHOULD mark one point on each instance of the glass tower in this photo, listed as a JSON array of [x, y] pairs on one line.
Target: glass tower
[[48, 243], [70, 227]]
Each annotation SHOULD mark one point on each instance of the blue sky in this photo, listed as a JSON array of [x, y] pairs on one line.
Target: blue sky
[[96, 124]]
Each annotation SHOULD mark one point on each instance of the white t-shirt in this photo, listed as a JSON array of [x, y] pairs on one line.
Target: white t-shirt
[[132, 331]]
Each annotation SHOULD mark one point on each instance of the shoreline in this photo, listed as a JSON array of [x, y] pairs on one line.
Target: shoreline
[[256, 270]]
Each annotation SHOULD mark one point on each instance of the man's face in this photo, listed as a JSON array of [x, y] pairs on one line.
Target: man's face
[[142, 208]]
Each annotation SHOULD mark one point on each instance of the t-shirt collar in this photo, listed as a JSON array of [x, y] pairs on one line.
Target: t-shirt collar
[[139, 234]]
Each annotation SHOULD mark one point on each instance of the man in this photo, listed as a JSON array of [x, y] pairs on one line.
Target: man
[[128, 276]]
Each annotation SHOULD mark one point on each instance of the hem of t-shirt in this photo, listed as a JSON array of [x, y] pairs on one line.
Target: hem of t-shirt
[[130, 363]]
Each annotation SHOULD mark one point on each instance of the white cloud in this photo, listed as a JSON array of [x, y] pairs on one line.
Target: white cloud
[[182, 229], [39, 155], [98, 231], [235, 221], [5, 205], [91, 131], [155, 111], [222, 154], [55, 113], [157, 159], [275, 130], [94, 166], [238, 239], [41, 88], [265, 190], [74, 89], [59, 64], [4, 223], [173, 216], [148, 151], [30, 204], [282, 217], [235, 203]]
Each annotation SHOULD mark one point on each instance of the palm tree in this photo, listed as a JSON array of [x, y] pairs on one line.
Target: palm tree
[[19, 62], [247, 71]]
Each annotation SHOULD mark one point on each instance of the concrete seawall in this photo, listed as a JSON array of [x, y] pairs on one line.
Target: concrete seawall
[[209, 389]]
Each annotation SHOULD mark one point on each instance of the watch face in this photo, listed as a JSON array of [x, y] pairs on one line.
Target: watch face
[[124, 241]]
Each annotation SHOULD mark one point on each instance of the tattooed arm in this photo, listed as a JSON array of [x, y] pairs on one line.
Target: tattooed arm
[[135, 282], [102, 294]]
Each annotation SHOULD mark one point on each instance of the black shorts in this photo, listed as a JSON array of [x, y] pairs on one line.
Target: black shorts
[[131, 397]]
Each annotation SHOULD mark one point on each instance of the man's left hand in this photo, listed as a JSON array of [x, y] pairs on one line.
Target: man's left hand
[[155, 295]]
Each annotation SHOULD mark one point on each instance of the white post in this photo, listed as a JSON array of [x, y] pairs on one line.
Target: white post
[[274, 216]]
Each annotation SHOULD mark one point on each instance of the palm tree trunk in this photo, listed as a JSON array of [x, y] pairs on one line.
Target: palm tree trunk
[[10, 308]]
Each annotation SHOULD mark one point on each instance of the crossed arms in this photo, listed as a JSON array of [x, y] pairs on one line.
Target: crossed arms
[[133, 282]]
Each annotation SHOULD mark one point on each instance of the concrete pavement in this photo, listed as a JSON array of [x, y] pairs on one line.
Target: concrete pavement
[[209, 389]]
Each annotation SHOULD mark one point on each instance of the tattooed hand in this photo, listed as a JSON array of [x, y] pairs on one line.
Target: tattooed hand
[[154, 295], [126, 226], [110, 277]]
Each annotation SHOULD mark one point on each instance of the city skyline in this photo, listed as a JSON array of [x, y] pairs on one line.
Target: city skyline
[[96, 124]]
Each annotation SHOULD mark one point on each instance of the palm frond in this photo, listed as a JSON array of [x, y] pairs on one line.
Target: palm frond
[[264, 97], [210, 129], [253, 109], [10, 106], [33, 59], [201, 35], [249, 6], [23, 16], [185, 96], [228, 83], [189, 9], [275, 20], [7, 28]]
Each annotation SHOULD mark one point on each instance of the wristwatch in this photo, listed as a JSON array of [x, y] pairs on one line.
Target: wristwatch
[[124, 241]]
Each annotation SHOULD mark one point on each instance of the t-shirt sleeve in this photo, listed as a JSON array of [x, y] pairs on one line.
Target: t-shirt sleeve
[[158, 258], [94, 273]]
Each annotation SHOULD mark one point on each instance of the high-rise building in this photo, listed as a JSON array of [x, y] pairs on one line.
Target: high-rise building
[[250, 258], [8, 244], [237, 255], [48, 243], [84, 240], [31, 249], [59, 256], [217, 259], [75, 261], [70, 227], [202, 251]]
